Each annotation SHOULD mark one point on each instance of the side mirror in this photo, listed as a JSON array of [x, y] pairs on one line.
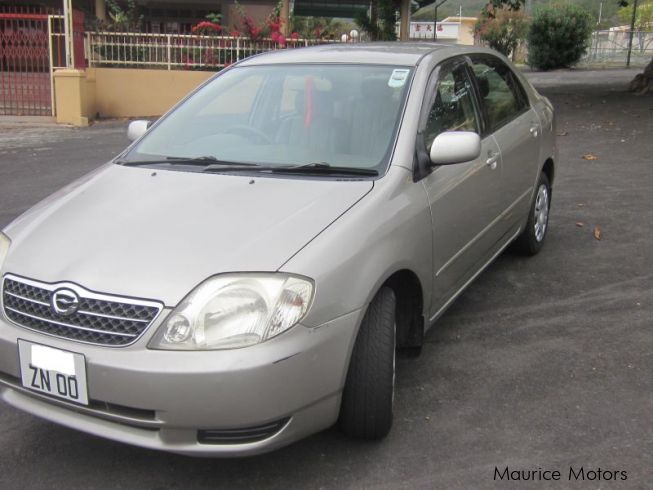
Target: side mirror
[[137, 129], [455, 147]]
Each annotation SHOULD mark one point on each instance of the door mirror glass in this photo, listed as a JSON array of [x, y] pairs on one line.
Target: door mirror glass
[[455, 147], [137, 129]]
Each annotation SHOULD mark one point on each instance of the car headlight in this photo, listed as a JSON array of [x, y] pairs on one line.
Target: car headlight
[[4, 247], [231, 311]]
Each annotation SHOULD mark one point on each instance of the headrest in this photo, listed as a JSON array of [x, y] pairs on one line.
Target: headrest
[[483, 85]]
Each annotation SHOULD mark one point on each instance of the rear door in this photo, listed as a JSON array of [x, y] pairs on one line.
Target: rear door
[[464, 197], [516, 129]]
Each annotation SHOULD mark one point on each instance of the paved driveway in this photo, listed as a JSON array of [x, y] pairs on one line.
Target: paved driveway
[[543, 363]]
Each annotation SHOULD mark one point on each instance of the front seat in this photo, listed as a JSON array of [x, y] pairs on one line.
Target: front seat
[[313, 124]]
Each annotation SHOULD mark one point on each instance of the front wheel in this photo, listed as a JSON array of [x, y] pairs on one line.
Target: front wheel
[[366, 410], [532, 238]]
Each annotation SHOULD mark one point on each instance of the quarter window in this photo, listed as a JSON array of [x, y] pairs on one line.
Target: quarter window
[[453, 106], [502, 96]]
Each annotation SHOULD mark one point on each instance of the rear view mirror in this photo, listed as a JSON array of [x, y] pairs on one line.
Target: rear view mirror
[[455, 147], [137, 129]]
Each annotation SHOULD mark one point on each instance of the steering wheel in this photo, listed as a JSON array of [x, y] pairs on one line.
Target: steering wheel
[[244, 130]]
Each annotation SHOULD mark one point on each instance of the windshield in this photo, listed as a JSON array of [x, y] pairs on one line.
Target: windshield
[[301, 114]]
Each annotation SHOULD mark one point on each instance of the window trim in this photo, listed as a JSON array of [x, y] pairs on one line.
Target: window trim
[[522, 95]]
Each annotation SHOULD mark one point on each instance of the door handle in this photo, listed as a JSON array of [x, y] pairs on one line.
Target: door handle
[[493, 158], [535, 130]]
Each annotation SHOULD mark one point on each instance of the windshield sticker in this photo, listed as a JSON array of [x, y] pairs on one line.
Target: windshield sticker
[[398, 78]]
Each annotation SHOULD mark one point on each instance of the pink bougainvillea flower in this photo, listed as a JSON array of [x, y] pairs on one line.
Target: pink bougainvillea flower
[[281, 39], [294, 36], [274, 35], [206, 27]]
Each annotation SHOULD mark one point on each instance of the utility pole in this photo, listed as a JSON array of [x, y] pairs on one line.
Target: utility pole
[[435, 18], [435, 21], [632, 32], [68, 31]]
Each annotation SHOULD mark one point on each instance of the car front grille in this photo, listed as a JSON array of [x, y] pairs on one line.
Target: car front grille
[[95, 318]]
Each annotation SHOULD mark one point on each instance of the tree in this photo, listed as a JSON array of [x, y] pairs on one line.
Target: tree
[[504, 30], [643, 18], [121, 19], [643, 82], [507, 4], [379, 24]]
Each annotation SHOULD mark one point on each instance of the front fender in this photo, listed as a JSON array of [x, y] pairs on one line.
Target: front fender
[[388, 230]]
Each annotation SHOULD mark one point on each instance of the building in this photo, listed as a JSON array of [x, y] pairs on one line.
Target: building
[[465, 29], [459, 30], [178, 16]]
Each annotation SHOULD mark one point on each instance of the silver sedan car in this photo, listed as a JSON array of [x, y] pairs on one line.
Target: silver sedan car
[[244, 273]]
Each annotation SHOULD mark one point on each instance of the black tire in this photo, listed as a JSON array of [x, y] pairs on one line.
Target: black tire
[[366, 410], [528, 242]]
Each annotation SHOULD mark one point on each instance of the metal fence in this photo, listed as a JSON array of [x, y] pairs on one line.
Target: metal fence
[[31, 47], [611, 48], [177, 51]]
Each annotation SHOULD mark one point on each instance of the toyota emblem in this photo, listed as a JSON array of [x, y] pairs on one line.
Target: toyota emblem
[[65, 302]]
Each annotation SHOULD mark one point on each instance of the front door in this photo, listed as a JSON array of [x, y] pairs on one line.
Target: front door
[[463, 197]]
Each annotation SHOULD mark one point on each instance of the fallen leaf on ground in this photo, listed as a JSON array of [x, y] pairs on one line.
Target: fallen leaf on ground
[[597, 232], [562, 133], [580, 224], [580, 204], [590, 156]]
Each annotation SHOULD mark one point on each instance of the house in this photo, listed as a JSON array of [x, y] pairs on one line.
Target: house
[[465, 30], [459, 30], [178, 16]]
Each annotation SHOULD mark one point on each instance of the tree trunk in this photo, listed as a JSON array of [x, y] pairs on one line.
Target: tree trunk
[[374, 19], [643, 83]]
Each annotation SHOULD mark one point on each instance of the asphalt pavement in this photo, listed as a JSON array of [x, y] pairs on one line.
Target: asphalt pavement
[[544, 362]]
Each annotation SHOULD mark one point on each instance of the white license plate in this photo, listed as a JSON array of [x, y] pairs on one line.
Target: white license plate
[[54, 372]]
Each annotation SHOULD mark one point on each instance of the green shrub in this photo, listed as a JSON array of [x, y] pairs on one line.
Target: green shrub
[[558, 37]]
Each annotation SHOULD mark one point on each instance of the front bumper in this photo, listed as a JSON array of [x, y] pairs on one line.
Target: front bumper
[[161, 399]]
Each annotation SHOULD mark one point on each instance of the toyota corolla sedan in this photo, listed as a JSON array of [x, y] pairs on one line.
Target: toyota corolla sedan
[[244, 273]]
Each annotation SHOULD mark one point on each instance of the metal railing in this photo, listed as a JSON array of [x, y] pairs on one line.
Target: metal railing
[[611, 48], [177, 51]]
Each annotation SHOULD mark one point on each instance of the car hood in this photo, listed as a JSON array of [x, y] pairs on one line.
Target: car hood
[[157, 233]]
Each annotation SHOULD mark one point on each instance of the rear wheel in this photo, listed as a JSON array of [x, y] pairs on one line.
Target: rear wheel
[[532, 238], [366, 410]]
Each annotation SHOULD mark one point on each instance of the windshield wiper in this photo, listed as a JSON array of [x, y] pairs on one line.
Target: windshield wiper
[[195, 161], [316, 169], [326, 169]]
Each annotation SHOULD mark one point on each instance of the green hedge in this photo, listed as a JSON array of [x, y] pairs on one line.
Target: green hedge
[[559, 36]]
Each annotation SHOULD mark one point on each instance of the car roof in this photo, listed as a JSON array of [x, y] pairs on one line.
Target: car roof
[[390, 53]]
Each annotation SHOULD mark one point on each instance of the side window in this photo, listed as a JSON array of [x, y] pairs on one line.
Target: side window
[[502, 95], [453, 106]]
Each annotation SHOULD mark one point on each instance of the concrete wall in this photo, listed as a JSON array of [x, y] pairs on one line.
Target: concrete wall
[[124, 92], [72, 97], [83, 95]]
